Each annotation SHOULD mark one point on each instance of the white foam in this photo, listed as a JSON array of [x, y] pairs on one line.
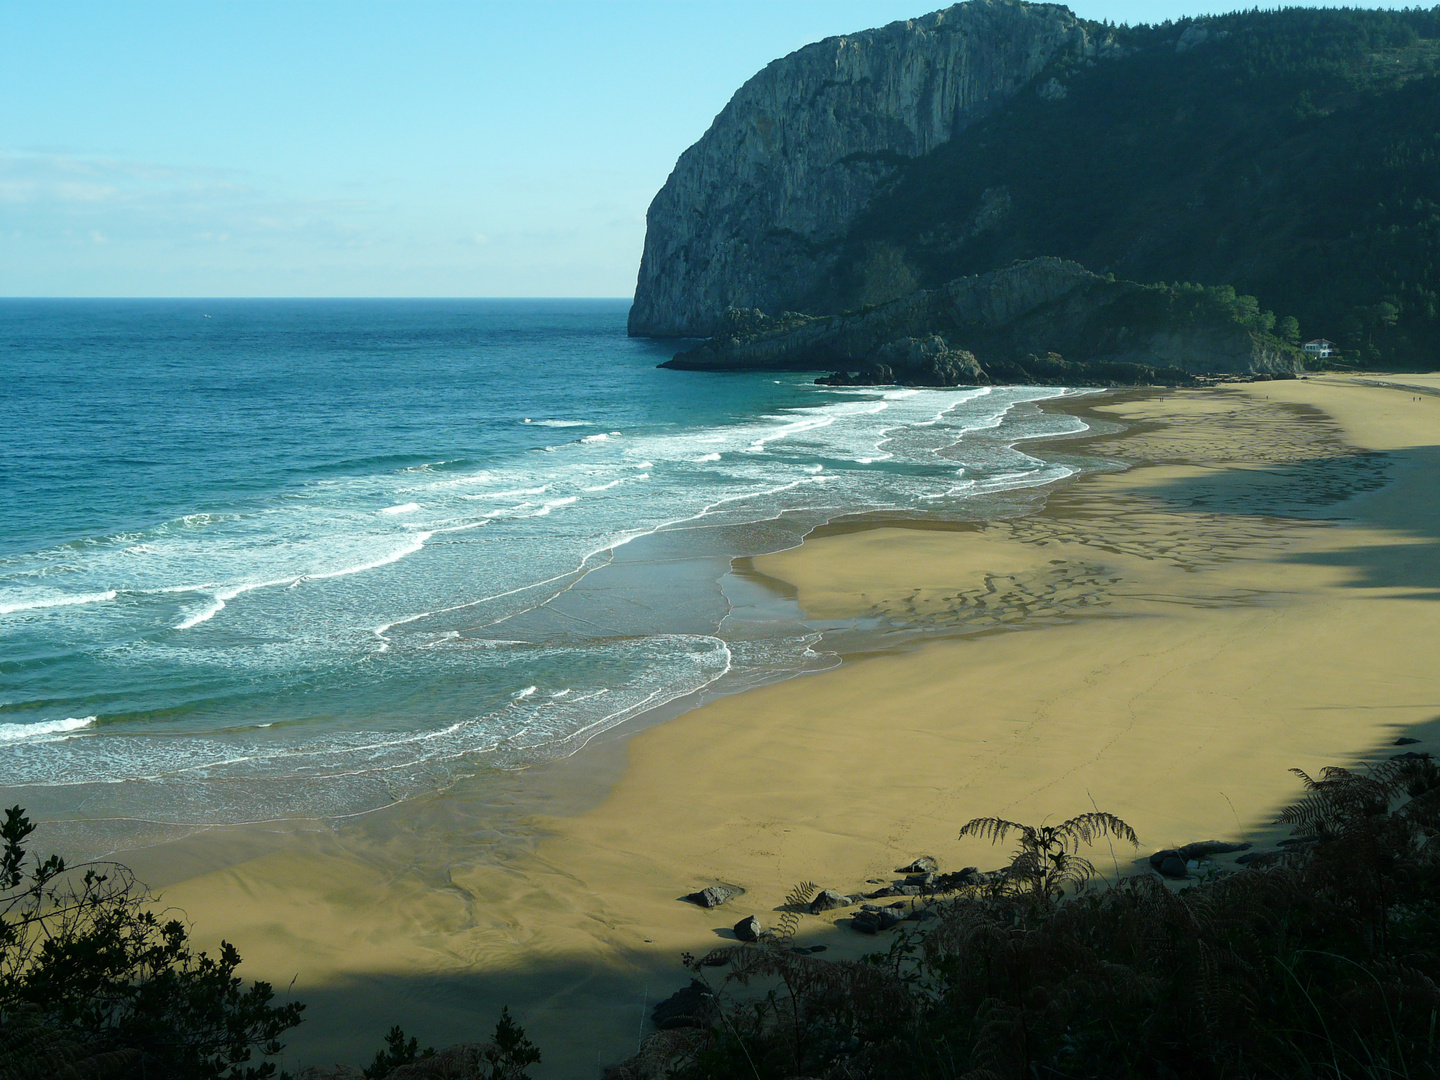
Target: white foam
[[709, 457], [56, 601], [602, 437], [10, 733], [403, 508], [415, 544], [603, 487], [521, 695], [515, 494], [558, 423], [566, 501], [785, 431], [221, 596]]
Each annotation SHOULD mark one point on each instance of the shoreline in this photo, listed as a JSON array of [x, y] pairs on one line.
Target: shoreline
[[677, 578], [1214, 555]]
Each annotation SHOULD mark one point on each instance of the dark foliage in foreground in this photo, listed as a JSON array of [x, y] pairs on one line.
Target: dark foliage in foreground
[[1318, 963], [396, 1052], [507, 1056], [94, 983]]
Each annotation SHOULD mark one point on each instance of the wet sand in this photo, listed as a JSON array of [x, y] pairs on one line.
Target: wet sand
[[1256, 591]]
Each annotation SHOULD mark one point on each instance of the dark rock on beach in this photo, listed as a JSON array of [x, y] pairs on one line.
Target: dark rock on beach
[[1169, 864], [1174, 862], [714, 895], [749, 929], [894, 890], [959, 879], [925, 864], [871, 919], [1204, 848], [829, 900]]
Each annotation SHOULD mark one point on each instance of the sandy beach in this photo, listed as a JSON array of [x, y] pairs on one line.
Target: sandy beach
[[1253, 587]]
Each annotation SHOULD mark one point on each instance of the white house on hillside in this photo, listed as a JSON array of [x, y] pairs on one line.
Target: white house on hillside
[[1319, 348]]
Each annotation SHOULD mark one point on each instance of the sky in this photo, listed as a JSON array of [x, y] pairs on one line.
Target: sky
[[394, 148]]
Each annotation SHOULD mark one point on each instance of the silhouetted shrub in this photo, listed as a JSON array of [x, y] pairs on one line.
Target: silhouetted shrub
[[1318, 962]]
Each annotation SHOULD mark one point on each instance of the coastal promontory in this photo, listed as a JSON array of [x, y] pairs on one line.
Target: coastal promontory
[[1285, 155], [806, 144]]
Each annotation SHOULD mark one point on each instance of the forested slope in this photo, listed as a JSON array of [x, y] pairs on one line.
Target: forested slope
[[1294, 155]]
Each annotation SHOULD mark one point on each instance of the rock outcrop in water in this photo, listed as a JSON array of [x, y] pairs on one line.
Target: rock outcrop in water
[[803, 147], [1044, 320]]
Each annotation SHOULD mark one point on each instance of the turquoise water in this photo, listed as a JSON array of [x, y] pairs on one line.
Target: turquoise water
[[266, 559]]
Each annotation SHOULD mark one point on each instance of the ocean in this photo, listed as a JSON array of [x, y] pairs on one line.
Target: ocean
[[295, 559]]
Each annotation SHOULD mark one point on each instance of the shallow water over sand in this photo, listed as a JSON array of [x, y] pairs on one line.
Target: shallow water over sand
[[301, 559]]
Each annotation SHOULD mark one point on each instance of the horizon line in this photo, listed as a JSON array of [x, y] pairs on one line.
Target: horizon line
[[212, 298]]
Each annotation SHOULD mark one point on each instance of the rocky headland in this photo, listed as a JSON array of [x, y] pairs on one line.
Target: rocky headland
[[1039, 321], [804, 146], [1286, 154]]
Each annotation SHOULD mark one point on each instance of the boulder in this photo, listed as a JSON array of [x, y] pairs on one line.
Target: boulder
[[958, 879], [866, 922], [890, 917], [686, 1008], [749, 929], [925, 864], [871, 918], [713, 896], [1405, 740], [829, 900], [1201, 848], [1172, 866], [923, 881]]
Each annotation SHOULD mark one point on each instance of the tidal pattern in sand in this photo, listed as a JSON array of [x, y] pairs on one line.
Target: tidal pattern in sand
[[303, 558]]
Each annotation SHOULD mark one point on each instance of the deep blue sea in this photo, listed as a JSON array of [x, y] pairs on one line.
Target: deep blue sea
[[267, 559]]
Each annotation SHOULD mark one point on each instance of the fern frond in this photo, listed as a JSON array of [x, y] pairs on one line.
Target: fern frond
[[1087, 828], [990, 828], [796, 901]]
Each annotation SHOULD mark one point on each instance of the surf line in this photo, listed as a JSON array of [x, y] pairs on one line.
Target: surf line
[[220, 596]]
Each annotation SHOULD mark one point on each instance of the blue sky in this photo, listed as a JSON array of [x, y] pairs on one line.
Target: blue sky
[[370, 149]]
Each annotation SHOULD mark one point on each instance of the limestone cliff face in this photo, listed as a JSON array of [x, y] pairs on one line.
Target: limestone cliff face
[[802, 148]]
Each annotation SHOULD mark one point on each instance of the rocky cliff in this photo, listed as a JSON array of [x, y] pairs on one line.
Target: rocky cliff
[[802, 148], [1042, 320], [1287, 153]]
